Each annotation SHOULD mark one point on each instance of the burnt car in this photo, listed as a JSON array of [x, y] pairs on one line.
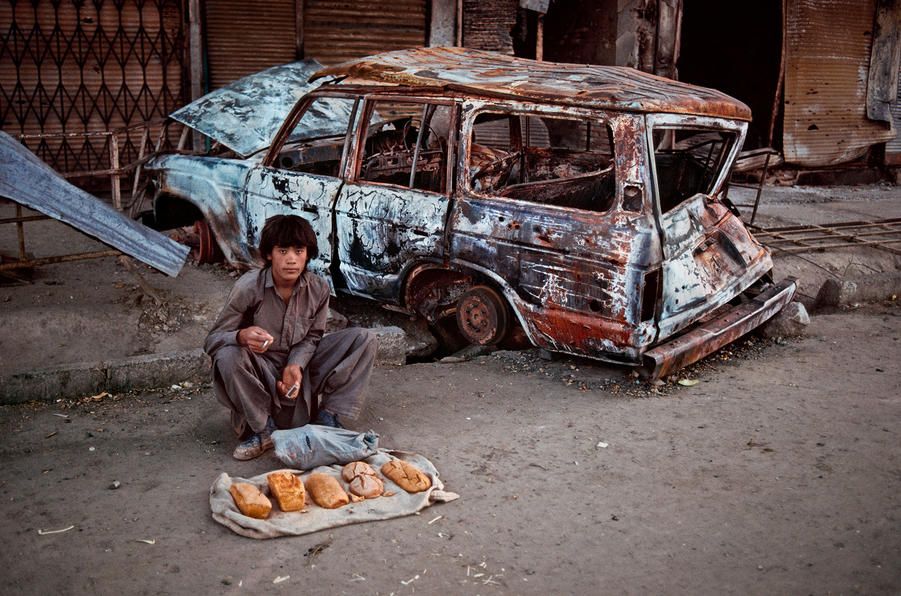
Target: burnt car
[[581, 206]]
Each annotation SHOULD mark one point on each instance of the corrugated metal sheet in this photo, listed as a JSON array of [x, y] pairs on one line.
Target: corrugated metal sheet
[[827, 63], [28, 181], [338, 31], [247, 37]]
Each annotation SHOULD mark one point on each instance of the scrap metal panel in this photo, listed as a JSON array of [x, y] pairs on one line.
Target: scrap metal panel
[[827, 64], [28, 181]]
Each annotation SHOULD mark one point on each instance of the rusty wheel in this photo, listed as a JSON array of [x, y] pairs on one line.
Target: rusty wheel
[[483, 316], [208, 250]]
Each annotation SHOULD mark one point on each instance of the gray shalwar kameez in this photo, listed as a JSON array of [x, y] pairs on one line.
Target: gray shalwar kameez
[[337, 365]]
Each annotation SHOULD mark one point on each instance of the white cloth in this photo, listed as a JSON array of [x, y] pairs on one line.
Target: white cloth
[[314, 518]]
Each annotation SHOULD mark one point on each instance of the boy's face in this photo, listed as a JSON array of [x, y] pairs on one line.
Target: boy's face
[[287, 263]]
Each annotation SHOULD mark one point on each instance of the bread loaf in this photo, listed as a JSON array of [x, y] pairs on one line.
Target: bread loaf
[[356, 468], [326, 491], [367, 485], [287, 490], [407, 476], [250, 500]]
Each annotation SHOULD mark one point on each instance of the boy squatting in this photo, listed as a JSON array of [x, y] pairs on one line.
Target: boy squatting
[[272, 365]]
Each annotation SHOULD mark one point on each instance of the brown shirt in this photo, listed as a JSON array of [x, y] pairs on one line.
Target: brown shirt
[[296, 326]]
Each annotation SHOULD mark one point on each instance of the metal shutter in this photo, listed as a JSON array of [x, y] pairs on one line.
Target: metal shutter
[[338, 31], [827, 60], [246, 37]]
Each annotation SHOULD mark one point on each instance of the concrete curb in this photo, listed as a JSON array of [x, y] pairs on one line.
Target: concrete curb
[[867, 288], [144, 372], [88, 378]]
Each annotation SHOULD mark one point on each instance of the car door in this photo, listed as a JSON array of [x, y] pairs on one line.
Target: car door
[[709, 257], [539, 210], [392, 211], [302, 175]]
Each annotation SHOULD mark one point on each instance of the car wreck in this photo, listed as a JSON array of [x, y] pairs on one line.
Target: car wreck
[[581, 206]]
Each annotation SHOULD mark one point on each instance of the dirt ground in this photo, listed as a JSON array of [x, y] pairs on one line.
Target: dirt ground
[[779, 472]]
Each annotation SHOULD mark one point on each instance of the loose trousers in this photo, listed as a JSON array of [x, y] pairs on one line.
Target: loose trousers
[[335, 380]]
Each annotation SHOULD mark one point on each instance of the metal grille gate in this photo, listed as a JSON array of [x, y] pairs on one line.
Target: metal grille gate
[[69, 70]]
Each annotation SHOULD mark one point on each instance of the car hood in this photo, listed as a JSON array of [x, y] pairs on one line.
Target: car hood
[[246, 114]]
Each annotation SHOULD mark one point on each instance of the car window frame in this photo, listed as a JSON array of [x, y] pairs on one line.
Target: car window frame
[[362, 128], [530, 109], [680, 121], [296, 114]]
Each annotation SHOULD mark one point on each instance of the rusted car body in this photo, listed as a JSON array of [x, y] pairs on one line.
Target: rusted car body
[[580, 204]]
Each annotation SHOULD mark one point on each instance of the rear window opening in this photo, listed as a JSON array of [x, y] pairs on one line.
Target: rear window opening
[[554, 161], [688, 161]]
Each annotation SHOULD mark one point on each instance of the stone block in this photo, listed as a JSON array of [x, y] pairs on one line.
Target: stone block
[[392, 346], [791, 321]]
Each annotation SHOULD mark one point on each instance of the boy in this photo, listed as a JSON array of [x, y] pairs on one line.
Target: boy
[[270, 359]]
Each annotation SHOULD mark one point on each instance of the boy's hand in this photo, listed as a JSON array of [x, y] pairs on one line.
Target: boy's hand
[[289, 386], [255, 338]]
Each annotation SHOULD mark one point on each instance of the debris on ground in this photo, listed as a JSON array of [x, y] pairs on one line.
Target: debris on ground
[[60, 531], [315, 551], [791, 321], [588, 375]]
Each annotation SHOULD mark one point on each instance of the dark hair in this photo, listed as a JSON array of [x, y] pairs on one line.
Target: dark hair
[[285, 231]]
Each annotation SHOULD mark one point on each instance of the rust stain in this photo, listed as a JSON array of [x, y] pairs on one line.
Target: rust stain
[[497, 75]]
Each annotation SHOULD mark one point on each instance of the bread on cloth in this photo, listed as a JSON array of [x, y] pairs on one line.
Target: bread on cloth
[[326, 491], [287, 490], [356, 468], [407, 476], [364, 482], [250, 500], [367, 486]]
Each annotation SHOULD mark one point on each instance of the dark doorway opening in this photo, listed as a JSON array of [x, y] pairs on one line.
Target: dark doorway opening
[[737, 53], [580, 32]]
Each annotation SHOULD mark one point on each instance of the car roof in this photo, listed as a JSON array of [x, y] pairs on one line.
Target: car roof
[[491, 74]]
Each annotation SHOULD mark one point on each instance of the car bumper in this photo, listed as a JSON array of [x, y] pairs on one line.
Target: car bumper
[[711, 335]]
